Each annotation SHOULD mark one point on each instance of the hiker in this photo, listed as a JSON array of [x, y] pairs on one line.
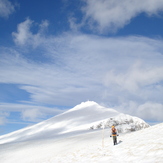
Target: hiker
[[114, 134]]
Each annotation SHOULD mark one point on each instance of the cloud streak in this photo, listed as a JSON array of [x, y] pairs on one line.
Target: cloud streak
[[28, 112]]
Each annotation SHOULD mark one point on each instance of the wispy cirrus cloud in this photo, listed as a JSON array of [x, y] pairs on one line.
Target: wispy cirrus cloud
[[109, 16]]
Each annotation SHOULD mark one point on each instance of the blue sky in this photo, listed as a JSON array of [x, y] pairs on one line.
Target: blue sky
[[57, 54]]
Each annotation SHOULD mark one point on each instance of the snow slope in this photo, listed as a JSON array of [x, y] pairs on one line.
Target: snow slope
[[87, 115], [143, 146]]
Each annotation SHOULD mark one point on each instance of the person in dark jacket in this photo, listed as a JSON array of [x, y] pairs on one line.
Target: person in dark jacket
[[114, 134]]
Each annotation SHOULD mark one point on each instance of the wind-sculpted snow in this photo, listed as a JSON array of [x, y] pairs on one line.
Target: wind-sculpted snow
[[74, 121]]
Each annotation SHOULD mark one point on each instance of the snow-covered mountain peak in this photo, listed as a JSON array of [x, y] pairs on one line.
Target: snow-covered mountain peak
[[82, 106], [85, 116], [91, 107], [86, 105]]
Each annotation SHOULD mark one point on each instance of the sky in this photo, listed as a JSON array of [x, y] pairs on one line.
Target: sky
[[57, 54]]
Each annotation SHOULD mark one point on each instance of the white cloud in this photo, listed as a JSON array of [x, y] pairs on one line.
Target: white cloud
[[32, 115], [24, 35], [6, 8], [110, 15]]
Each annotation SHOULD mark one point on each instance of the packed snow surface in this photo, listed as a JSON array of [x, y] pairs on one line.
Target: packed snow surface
[[143, 146]]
